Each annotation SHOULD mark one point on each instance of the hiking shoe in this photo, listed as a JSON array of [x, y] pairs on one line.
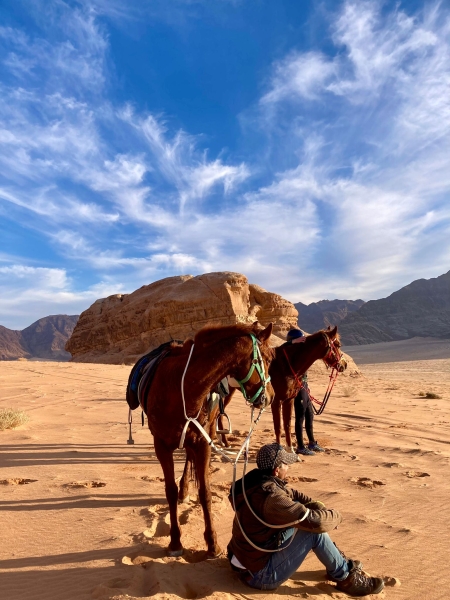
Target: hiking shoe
[[305, 451], [352, 564], [315, 447], [357, 583]]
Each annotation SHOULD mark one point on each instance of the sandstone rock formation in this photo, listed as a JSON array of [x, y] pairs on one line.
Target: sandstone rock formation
[[318, 315], [44, 339], [120, 328], [420, 309]]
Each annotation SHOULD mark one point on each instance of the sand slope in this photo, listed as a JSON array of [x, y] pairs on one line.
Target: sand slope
[[83, 515]]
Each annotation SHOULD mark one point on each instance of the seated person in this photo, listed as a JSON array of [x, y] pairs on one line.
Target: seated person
[[271, 539]]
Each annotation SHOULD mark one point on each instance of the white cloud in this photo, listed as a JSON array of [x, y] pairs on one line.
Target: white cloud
[[299, 75], [361, 209], [28, 293]]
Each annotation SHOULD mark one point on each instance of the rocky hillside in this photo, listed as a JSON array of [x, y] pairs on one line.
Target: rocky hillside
[[420, 309], [122, 327], [44, 339], [317, 315]]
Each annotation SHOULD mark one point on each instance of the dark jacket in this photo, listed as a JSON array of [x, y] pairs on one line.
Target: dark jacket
[[278, 504]]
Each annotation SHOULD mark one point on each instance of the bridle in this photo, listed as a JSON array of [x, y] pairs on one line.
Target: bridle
[[258, 365], [334, 356]]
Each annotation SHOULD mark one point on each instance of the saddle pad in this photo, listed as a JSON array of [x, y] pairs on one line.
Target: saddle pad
[[146, 365]]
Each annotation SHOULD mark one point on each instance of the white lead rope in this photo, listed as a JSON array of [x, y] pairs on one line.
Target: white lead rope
[[234, 462], [194, 420]]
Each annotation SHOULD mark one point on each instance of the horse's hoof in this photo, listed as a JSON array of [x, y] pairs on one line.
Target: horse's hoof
[[184, 500], [174, 553], [217, 554]]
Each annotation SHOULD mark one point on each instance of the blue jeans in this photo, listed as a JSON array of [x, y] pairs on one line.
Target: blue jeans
[[281, 565]]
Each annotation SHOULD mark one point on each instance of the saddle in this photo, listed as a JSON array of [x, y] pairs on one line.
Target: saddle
[[142, 374]]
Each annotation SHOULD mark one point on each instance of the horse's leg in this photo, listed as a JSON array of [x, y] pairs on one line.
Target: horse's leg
[[202, 461], [165, 457], [287, 416], [275, 406], [223, 436], [183, 494]]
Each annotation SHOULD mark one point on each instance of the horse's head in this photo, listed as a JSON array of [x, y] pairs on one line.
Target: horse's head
[[334, 357], [252, 373]]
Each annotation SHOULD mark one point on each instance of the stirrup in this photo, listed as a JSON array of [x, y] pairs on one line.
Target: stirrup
[[224, 431]]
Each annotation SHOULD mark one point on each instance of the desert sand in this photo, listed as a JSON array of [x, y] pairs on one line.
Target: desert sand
[[83, 514]]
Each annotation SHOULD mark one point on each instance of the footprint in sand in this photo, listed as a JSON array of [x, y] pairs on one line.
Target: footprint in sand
[[367, 482], [171, 578], [295, 479], [16, 481], [159, 518], [412, 474], [84, 484], [106, 589], [150, 479]]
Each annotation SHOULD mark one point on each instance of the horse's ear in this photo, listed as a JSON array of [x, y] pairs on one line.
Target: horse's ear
[[331, 333], [265, 334]]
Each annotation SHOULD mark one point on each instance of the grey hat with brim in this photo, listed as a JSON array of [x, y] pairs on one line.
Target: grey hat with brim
[[272, 456]]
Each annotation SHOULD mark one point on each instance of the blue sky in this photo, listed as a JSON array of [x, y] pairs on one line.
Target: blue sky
[[304, 144]]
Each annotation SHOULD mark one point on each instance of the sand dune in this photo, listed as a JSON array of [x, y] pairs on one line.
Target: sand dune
[[84, 514]]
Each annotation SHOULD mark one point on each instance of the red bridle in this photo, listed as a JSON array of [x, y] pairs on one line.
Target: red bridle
[[334, 353]]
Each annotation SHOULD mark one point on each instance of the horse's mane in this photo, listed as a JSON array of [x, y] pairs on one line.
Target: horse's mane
[[211, 334], [336, 339]]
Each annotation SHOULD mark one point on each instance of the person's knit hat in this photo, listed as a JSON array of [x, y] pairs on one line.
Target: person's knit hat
[[272, 456], [294, 334]]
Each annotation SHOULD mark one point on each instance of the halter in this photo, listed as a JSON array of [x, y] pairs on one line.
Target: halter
[[258, 364]]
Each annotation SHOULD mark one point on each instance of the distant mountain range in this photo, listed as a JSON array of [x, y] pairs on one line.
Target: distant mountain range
[[420, 309], [318, 315], [44, 339]]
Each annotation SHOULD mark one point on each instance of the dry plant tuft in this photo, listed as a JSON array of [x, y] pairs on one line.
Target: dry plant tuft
[[422, 394], [11, 418], [348, 391], [432, 396]]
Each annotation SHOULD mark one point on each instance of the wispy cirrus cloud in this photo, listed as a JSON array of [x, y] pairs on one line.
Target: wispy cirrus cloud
[[49, 291], [346, 193], [379, 177]]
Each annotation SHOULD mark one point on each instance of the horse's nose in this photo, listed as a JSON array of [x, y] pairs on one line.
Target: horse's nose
[[342, 365]]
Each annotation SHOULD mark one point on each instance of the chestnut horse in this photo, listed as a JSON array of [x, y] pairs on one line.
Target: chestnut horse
[[290, 363], [180, 386]]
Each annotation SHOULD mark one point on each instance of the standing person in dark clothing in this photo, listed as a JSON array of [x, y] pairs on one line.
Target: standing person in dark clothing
[[276, 527], [304, 412]]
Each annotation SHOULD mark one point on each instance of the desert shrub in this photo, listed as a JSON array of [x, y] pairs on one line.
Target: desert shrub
[[348, 391], [11, 418], [422, 394], [432, 395]]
